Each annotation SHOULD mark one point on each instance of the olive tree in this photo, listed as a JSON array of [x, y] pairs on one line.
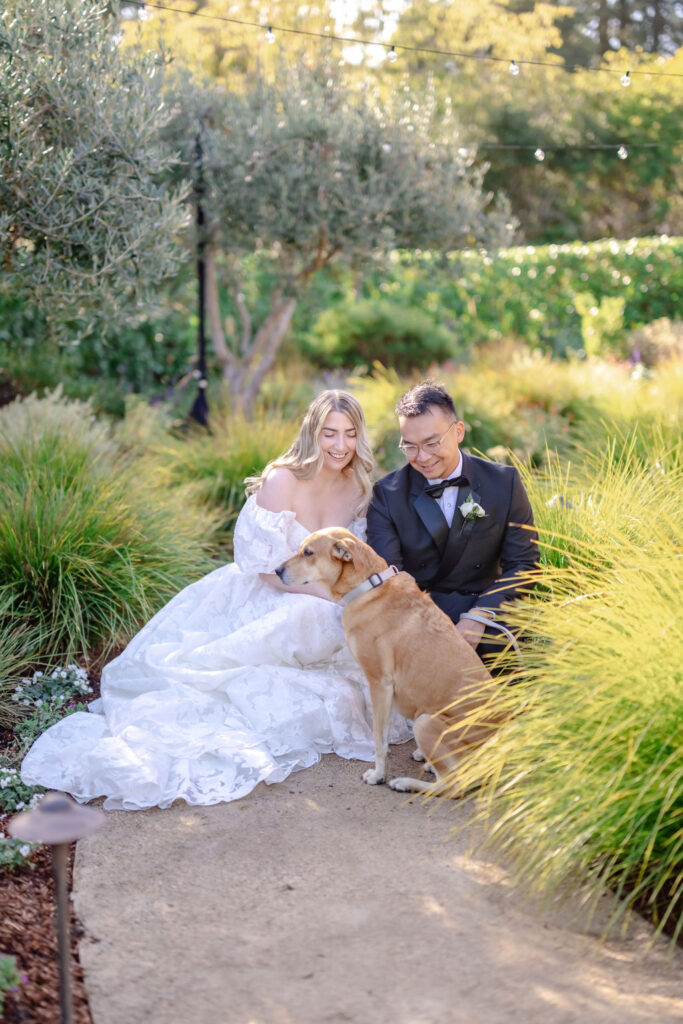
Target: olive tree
[[307, 169], [87, 223]]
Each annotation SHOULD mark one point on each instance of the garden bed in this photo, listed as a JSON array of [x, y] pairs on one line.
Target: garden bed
[[27, 931]]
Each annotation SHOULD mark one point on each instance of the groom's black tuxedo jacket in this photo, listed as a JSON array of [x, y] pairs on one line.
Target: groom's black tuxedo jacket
[[476, 560]]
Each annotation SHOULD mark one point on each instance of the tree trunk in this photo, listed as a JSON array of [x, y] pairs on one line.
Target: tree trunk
[[624, 21], [657, 25], [224, 356], [261, 356], [603, 29]]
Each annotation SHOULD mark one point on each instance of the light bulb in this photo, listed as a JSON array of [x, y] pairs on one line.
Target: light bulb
[[622, 152], [392, 56], [539, 154], [626, 79], [270, 35], [514, 67]]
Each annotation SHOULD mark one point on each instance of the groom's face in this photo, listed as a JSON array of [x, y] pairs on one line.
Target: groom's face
[[437, 437]]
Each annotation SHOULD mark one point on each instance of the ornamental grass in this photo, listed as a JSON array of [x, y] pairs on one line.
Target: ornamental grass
[[91, 545], [217, 463], [583, 784], [20, 645]]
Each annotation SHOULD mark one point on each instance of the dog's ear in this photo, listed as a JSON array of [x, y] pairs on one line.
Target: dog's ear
[[341, 552]]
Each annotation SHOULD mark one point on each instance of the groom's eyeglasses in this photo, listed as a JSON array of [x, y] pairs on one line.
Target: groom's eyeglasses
[[411, 451]]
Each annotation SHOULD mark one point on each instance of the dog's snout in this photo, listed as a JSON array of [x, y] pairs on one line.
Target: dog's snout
[[279, 571]]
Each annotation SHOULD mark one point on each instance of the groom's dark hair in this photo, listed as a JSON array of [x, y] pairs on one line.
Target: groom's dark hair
[[418, 400]]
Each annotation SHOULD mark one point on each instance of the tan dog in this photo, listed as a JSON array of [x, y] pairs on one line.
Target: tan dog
[[411, 653]]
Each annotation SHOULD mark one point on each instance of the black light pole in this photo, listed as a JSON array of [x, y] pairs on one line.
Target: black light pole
[[200, 407]]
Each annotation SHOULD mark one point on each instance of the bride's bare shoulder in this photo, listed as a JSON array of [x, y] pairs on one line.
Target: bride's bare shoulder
[[276, 493]]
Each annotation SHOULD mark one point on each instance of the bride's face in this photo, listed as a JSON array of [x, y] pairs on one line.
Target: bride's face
[[337, 440]]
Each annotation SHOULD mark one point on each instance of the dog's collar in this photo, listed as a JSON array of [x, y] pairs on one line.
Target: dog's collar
[[375, 580]]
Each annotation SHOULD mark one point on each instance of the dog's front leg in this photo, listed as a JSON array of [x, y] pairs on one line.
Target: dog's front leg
[[382, 697]]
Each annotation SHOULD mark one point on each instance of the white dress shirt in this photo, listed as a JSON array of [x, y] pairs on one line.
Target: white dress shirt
[[449, 499]]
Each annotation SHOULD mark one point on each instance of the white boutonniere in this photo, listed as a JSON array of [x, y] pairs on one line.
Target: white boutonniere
[[470, 509]]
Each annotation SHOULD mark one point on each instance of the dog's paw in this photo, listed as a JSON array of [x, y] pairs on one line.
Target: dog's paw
[[402, 785], [373, 777], [418, 755]]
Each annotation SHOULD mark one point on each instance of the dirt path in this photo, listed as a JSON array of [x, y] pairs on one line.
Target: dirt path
[[322, 901]]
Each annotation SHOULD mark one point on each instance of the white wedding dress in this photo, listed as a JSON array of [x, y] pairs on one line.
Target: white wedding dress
[[232, 683]]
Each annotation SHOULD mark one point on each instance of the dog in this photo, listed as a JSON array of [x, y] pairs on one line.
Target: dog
[[411, 653]]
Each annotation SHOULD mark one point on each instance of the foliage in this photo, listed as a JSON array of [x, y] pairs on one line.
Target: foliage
[[154, 355], [15, 795], [89, 546], [529, 292], [20, 646], [43, 700], [231, 51], [14, 853], [53, 689], [9, 976], [600, 324], [583, 779], [577, 191], [521, 405], [307, 168], [397, 335], [217, 463], [87, 224]]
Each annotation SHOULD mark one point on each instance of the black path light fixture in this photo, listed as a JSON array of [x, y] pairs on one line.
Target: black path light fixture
[[200, 407], [57, 821]]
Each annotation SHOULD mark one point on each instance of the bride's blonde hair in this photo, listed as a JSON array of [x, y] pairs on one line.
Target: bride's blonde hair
[[305, 458]]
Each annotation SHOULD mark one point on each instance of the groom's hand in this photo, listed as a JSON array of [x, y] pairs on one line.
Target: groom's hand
[[472, 631]]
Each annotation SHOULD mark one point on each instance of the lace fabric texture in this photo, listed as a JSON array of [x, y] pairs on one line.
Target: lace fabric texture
[[230, 684]]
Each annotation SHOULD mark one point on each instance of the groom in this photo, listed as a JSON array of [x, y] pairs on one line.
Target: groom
[[457, 523]]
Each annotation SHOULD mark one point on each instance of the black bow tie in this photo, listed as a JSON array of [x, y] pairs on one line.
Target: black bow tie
[[436, 490]]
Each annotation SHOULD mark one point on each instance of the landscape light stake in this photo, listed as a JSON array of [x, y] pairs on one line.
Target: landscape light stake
[[57, 821]]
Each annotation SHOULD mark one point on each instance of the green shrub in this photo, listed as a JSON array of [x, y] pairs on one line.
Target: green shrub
[[583, 782], [148, 357], [398, 335], [524, 293], [90, 545]]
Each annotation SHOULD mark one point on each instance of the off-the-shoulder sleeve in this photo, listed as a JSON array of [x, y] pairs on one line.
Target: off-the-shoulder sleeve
[[263, 539]]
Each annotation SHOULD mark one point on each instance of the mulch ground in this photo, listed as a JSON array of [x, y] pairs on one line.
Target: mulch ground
[[28, 931]]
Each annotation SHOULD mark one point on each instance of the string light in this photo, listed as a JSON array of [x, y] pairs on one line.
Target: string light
[[270, 35], [392, 56], [514, 66], [626, 80], [539, 154], [622, 152]]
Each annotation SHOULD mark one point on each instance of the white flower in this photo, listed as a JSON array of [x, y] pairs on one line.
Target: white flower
[[24, 850], [19, 805], [470, 509], [4, 783]]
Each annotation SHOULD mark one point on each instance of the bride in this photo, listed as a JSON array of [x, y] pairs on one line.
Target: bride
[[238, 679]]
